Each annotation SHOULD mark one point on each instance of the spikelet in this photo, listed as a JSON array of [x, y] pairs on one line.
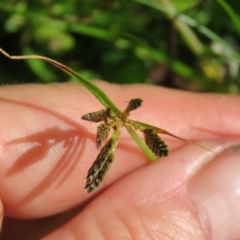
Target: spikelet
[[100, 167], [98, 116], [155, 143], [102, 133], [133, 104]]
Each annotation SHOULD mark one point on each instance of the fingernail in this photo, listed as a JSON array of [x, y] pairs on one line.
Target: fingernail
[[215, 192]]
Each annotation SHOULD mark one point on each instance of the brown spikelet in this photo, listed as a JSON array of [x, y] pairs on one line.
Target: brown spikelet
[[100, 167], [133, 104], [102, 133], [98, 116], [155, 143]]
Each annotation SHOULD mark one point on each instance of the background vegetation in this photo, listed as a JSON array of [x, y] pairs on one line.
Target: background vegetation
[[191, 44]]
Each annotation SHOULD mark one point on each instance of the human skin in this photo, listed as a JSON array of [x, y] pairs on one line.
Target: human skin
[[47, 149]]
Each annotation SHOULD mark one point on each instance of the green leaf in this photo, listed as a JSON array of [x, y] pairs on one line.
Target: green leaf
[[234, 17]]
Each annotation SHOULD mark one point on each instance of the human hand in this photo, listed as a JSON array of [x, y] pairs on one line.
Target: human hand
[[46, 151]]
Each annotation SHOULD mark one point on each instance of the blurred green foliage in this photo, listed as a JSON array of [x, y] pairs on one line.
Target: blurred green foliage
[[192, 44]]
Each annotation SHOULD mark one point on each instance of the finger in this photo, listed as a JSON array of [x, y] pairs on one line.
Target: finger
[[182, 197], [47, 148], [1, 215]]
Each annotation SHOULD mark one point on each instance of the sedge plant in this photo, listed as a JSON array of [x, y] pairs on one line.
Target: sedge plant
[[111, 118]]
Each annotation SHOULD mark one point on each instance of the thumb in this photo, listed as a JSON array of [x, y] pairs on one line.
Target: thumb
[[215, 190], [175, 198]]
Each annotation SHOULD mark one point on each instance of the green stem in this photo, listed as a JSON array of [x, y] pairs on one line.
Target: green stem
[[186, 32], [151, 156], [169, 10]]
